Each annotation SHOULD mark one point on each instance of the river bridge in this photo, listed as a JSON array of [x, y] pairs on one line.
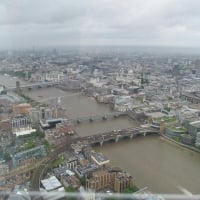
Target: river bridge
[[117, 135], [99, 117], [35, 85], [85, 119], [101, 138]]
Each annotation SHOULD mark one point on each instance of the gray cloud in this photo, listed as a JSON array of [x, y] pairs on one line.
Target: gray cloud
[[61, 22]]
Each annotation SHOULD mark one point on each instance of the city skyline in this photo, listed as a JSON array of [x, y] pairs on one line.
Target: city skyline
[[48, 23]]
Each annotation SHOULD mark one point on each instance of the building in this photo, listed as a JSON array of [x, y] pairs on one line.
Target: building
[[123, 181], [34, 115], [20, 126], [197, 142], [18, 88], [113, 178], [54, 76], [72, 163], [123, 104], [2, 89], [100, 179], [85, 170], [4, 168], [44, 113], [99, 159], [51, 184], [22, 108], [194, 128], [28, 156], [193, 97], [107, 98], [19, 122], [6, 136], [40, 113], [23, 131]]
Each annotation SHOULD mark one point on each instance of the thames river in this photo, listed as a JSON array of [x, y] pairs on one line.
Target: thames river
[[153, 161]]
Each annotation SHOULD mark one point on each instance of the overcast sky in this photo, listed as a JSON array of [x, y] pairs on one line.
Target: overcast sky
[[27, 23]]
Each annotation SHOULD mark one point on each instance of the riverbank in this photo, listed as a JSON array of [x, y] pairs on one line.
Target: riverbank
[[157, 163], [181, 144]]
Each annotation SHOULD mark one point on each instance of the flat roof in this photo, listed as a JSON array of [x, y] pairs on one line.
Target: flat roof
[[196, 124], [100, 158], [51, 183]]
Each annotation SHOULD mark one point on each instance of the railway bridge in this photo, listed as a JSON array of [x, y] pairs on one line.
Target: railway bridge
[[34, 85], [117, 135]]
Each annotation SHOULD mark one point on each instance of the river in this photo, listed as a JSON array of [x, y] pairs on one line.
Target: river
[[153, 161]]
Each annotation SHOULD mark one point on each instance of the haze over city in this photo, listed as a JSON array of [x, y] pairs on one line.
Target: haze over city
[[100, 99]]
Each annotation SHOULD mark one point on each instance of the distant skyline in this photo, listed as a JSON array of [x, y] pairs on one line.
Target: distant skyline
[[24, 23]]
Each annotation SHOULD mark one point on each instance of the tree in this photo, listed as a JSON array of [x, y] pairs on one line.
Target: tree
[[70, 189], [83, 181], [131, 189]]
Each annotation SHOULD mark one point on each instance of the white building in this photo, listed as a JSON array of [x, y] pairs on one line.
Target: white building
[[51, 184], [54, 76], [123, 104], [23, 131], [2, 88]]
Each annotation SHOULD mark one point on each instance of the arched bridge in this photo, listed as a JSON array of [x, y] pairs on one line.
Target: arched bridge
[[117, 135], [92, 118]]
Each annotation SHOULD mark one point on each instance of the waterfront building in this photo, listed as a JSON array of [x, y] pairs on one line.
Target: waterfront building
[[114, 178], [34, 115], [100, 179], [194, 128], [85, 170], [99, 159], [197, 142], [123, 181], [123, 104], [45, 113], [107, 98]]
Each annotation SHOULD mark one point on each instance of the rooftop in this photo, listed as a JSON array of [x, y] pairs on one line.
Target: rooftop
[[100, 158], [51, 183]]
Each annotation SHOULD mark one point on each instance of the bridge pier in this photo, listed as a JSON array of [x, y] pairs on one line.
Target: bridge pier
[[104, 118], [117, 138], [131, 136], [101, 143]]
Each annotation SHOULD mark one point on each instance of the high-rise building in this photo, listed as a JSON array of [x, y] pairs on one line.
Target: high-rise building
[[18, 86], [123, 181]]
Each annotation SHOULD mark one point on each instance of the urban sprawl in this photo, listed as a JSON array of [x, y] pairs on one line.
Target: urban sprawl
[[39, 147]]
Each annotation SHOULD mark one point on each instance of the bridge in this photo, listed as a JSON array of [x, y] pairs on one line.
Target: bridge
[[91, 118], [38, 167], [117, 135], [35, 85]]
